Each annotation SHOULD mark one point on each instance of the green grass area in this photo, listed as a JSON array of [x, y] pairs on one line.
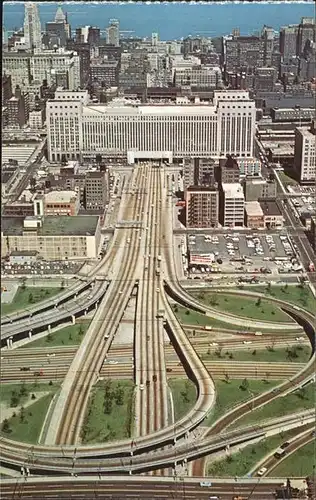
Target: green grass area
[[17, 394], [110, 412], [298, 464], [240, 463], [184, 395], [295, 294], [26, 424], [189, 317], [254, 308], [286, 179], [296, 354], [69, 335], [234, 391], [300, 400], [27, 296]]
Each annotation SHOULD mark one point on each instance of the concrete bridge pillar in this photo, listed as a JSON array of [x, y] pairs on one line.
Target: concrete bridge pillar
[[30, 334], [96, 305], [49, 328], [73, 320], [8, 343], [85, 312], [11, 341]]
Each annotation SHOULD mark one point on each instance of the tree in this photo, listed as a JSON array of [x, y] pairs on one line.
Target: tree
[[194, 332], [175, 308], [214, 300], [267, 376], [50, 382], [254, 352], [268, 288], [244, 385], [107, 406], [227, 379], [23, 285], [119, 395], [80, 331], [31, 298], [22, 414], [23, 390], [258, 303], [218, 352], [6, 426], [33, 396], [14, 399], [62, 285], [187, 312], [49, 337]]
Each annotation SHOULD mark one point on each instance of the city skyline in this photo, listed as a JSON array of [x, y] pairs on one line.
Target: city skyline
[[249, 18]]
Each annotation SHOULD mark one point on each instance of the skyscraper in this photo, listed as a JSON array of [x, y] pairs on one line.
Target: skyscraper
[[113, 33], [32, 26]]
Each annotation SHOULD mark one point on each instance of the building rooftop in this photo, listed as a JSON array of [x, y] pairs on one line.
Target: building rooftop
[[270, 207], [78, 225], [60, 196], [232, 190], [253, 209], [205, 189]]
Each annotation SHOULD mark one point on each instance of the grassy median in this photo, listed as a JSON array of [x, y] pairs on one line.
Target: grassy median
[[294, 354], [67, 336], [240, 463], [300, 400], [295, 294], [231, 392], [23, 410], [28, 296], [298, 464], [189, 317], [184, 395], [109, 415], [247, 307]]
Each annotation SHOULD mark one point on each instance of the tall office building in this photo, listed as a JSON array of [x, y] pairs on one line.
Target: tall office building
[[305, 153], [288, 42], [232, 204], [306, 31], [202, 207], [32, 26], [120, 128], [113, 33]]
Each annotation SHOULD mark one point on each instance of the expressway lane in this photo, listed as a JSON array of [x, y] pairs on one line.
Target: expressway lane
[[56, 315], [150, 373], [295, 444], [55, 369], [68, 414], [134, 488]]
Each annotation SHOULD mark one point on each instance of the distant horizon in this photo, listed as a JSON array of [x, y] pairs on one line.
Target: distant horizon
[[172, 21]]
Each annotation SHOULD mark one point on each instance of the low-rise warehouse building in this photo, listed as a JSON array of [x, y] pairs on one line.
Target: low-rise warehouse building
[[254, 217], [54, 238], [273, 217]]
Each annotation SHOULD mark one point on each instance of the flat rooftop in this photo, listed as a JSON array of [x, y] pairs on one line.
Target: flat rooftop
[[77, 225], [253, 208], [60, 196], [270, 207], [233, 190]]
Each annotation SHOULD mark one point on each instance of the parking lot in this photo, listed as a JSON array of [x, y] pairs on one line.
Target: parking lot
[[239, 253], [40, 268], [8, 293]]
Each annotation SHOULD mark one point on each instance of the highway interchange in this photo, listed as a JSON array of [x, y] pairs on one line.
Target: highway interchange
[[140, 259]]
